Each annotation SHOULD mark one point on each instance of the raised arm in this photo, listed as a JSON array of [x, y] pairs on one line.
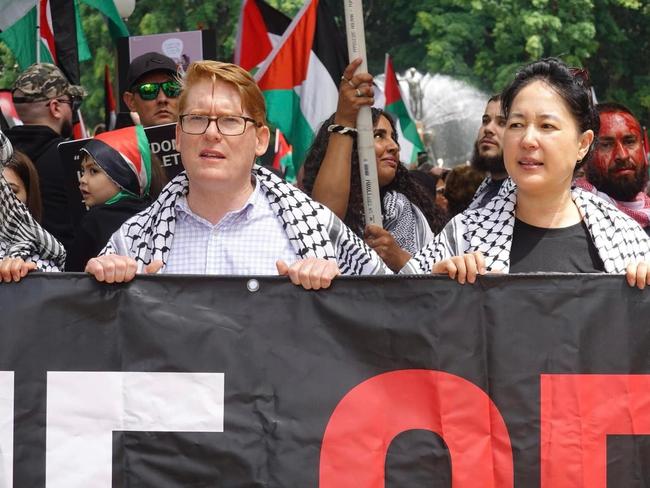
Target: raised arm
[[332, 183]]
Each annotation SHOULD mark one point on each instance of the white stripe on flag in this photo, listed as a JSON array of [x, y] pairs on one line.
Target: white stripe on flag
[[318, 93]]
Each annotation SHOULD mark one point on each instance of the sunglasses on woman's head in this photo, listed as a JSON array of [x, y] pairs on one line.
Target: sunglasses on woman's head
[[149, 91]]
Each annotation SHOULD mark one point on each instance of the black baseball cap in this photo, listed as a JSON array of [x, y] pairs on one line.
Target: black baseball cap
[[148, 63]]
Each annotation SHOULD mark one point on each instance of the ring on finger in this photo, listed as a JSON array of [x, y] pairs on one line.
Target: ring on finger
[[359, 94]]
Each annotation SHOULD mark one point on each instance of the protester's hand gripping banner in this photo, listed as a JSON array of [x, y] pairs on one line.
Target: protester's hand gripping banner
[[516, 381]]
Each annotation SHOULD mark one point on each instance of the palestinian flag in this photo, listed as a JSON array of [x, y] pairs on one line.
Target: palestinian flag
[[409, 139], [283, 153], [60, 35], [300, 78], [260, 30], [110, 111], [116, 25]]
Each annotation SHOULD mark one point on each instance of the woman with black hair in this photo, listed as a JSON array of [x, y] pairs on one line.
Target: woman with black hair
[[24, 245], [538, 222], [332, 177]]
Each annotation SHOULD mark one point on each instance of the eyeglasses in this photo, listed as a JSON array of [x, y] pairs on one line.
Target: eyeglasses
[[227, 125], [149, 91], [75, 103]]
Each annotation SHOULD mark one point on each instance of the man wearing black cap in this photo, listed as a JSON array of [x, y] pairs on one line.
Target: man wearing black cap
[[152, 89], [45, 101]]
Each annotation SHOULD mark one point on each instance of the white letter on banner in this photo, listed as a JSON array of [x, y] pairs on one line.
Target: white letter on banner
[[6, 429], [85, 408]]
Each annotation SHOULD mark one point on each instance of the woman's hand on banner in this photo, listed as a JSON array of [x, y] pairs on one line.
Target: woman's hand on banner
[[638, 274], [310, 273], [112, 268], [462, 268], [14, 269]]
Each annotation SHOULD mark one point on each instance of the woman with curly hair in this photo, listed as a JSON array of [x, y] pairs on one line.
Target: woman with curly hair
[[332, 177]]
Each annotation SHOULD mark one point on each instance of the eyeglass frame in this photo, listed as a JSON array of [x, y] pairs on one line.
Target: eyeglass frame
[[74, 102], [216, 121], [159, 86]]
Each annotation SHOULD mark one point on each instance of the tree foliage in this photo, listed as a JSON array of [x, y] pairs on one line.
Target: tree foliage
[[481, 41]]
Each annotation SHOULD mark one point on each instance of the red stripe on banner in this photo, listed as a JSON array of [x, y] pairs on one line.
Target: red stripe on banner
[[372, 414], [46, 30], [578, 412]]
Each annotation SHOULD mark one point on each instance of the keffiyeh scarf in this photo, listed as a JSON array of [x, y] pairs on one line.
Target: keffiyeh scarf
[[618, 239], [313, 230], [406, 222], [642, 216], [20, 235]]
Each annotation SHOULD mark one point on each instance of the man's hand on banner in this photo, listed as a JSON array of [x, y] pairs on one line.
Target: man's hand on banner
[[638, 274], [462, 268], [112, 268], [310, 273], [383, 243], [14, 269]]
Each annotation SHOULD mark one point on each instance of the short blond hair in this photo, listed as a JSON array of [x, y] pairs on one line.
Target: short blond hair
[[251, 96]]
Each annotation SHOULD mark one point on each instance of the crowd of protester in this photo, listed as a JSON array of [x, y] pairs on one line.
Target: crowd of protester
[[556, 184]]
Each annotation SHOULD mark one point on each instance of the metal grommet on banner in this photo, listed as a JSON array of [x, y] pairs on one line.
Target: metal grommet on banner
[[253, 285]]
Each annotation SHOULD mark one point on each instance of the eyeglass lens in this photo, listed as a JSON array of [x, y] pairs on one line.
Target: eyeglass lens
[[149, 91]]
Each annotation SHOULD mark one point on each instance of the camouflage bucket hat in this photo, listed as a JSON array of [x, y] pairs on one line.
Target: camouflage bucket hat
[[44, 81]]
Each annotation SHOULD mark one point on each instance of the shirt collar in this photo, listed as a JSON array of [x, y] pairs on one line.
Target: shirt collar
[[252, 206]]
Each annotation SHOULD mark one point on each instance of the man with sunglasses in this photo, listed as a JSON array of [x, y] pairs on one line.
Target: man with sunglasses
[[224, 214], [152, 89], [45, 102]]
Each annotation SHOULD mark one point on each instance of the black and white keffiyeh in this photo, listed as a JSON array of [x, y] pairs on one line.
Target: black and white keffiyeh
[[618, 239], [312, 229], [20, 235], [406, 222]]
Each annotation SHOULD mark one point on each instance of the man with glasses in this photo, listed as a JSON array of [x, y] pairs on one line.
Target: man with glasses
[[45, 102], [224, 214], [152, 89]]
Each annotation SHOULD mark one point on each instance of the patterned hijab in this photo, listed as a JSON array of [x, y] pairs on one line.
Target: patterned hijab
[[125, 157], [20, 235]]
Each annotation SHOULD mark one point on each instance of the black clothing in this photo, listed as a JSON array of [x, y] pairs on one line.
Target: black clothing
[[490, 191], [97, 227], [39, 142], [565, 250]]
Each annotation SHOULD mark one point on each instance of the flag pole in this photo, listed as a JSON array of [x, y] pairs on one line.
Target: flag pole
[[38, 31], [365, 138]]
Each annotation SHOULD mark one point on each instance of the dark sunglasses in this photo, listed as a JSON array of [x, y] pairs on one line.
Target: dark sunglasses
[[149, 91]]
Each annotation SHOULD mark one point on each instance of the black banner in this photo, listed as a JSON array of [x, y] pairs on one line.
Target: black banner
[[179, 381]]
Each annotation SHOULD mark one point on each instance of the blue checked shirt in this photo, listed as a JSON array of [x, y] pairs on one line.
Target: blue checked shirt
[[247, 241]]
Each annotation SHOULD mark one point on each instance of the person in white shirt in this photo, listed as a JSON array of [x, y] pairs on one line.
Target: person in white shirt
[[224, 215]]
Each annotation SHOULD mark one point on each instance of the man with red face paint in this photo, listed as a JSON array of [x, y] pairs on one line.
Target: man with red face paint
[[618, 171]]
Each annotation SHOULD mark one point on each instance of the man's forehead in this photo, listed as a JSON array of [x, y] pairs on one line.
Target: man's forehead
[[155, 77], [493, 108], [611, 122]]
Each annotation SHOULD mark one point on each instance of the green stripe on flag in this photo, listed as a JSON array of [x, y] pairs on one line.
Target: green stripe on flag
[[21, 39], [399, 110], [283, 111], [82, 43], [116, 25]]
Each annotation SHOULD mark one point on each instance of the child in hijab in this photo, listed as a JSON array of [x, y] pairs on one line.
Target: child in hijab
[[115, 184], [24, 245]]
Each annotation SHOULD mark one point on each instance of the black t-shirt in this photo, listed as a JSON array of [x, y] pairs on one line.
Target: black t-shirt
[[566, 250]]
